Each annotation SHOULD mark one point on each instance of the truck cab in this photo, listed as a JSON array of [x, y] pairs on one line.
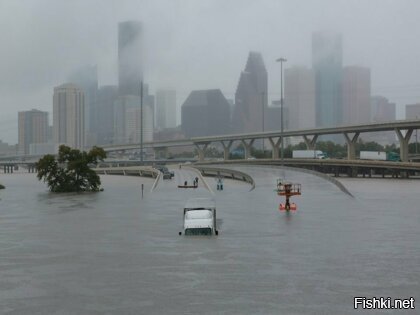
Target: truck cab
[[200, 217]]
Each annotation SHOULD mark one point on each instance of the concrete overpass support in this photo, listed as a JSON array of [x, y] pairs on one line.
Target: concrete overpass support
[[201, 148], [248, 146], [310, 143], [351, 145], [226, 149], [404, 143], [275, 146]]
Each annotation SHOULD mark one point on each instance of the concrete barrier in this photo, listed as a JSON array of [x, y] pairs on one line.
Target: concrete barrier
[[226, 173], [143, 171]]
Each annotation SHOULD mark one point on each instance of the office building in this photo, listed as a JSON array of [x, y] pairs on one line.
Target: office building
[[251, 96], [130, 70], [412, 111], [86, 78], [32, 128], [356, 95], [6, 149], [127, 118], [205, 113], [299, 97], [165, 109], [107, 95], [68, 115], [381, 110], [327, 65]]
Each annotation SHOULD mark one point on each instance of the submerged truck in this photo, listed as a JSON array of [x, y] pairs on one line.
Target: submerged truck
[[200, 217], [379, 156], [308, 154]]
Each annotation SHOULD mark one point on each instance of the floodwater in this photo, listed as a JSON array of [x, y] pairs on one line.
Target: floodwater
[[115, 252]]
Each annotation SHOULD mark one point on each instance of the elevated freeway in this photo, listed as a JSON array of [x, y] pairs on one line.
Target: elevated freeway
[[336, 167], [402, 128]]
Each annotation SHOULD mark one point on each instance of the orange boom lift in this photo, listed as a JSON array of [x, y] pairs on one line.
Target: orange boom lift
[[288, 190]]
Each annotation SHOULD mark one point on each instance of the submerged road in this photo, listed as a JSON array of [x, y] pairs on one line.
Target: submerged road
[[115, 253]]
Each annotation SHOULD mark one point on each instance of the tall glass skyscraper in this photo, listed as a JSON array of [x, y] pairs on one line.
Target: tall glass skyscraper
[[130, 71], [251, 96], [327, 63]]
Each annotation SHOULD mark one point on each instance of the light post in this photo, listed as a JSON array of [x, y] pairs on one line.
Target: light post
[[262, 109], [281, 60], [141, 122], [416, 136]]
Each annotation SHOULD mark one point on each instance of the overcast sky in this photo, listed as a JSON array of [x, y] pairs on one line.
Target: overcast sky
[[199, 44]]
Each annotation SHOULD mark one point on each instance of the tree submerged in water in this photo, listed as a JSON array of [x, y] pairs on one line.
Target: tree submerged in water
[[71, 171]]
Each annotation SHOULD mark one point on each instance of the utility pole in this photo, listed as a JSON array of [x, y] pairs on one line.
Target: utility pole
[[141, 122], [416, 137], [262, 107], [281, 60]]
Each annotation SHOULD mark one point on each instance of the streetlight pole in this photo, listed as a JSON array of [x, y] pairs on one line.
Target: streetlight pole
[[262, 109], [281, 60], [141, 122], [416, 137]]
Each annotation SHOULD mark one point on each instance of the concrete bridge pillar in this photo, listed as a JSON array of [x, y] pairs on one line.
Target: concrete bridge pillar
[[201, 148], [351, 145], [310, 143], [275, 146], [226, 149], [247, 147], [31, 168], [404, 143]]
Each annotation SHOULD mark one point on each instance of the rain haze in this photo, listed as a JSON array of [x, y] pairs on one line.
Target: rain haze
[[203, 44]]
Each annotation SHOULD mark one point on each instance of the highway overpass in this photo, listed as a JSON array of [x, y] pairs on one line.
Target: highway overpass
[[403, 130]]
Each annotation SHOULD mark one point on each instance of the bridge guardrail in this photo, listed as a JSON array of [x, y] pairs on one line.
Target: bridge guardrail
[[226, 173], [129, 171]]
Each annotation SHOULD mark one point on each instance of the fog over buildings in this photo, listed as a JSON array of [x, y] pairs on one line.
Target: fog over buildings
[[191, 45]]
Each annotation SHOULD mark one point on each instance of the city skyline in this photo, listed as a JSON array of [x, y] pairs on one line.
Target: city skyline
[[211, 56]]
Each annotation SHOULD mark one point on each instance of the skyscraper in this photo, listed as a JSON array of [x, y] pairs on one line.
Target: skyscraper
[[69, 115], [133, 124], [251, 96], [205, 113], [87, 79], [165, 109], [33, 128], [127, 118], [412, 111], [327, 64], [106, 98], [356, 95], [130, 70], [381, 110], [299, 95]]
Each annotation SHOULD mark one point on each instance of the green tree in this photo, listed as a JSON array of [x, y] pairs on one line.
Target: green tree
[[71, 171]]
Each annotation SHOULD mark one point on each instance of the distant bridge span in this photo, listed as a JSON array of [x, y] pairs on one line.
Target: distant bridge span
[[402, 128]]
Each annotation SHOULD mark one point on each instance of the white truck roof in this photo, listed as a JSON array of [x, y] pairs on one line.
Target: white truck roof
[[199, 203], [198, 214]]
